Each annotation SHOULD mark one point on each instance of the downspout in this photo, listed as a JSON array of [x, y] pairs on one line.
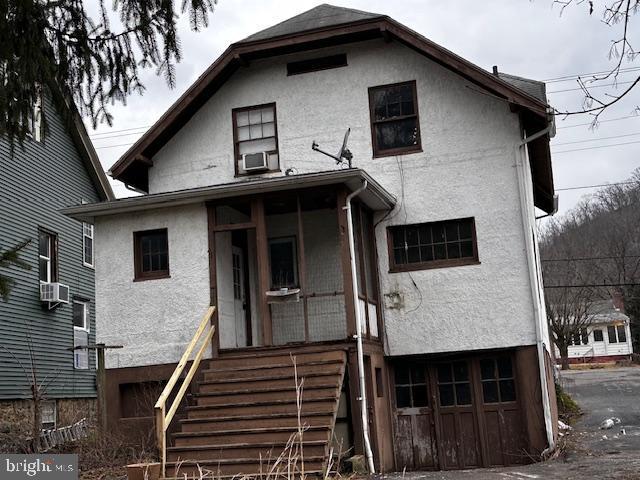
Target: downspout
[[533, 276], [358, 336]]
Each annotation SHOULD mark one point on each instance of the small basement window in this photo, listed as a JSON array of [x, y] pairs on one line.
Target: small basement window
[[151, 254], [48, 414], [255, 138], [395, 127], [432, 245], [316, 64]]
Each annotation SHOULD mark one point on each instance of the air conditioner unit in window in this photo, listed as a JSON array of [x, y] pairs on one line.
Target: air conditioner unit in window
[[54, 292], [255, 161]]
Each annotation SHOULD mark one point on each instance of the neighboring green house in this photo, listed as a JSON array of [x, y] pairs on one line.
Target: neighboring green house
[[56, 167]]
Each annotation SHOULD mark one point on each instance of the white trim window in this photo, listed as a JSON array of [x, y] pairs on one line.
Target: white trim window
[[80, 334], [48, 414], [87, 245], [46, 255]]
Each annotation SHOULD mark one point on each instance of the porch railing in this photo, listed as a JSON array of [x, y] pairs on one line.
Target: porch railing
[[162, 416]]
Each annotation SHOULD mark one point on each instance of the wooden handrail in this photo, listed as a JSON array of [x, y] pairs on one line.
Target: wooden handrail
[[162, 417]]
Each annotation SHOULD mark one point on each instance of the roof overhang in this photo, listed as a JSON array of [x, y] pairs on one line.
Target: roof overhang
[[132, 167], [374, 196]]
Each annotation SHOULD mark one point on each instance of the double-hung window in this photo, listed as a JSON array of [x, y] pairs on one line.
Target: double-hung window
[[395, 127], [255, 138], [87, 244], [80, 334], [151, 254], [47, 253]]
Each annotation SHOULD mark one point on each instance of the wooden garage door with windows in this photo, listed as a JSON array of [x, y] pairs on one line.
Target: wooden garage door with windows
[[459, 413]]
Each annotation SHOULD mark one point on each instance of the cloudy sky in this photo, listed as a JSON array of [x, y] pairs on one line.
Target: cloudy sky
[[523, 37]]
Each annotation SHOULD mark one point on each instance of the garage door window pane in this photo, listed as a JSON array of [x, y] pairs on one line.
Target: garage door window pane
[[498, 384], [403, 397], [446, 395], [490, 392], [463, 394], [507, 391]]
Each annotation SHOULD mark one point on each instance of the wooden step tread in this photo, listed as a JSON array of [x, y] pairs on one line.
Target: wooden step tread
[[231, 461], [278, 376], [261, 403], [248, 476], [260, 416], [240, 368], [248, 391], [241, 445], [250, 431]]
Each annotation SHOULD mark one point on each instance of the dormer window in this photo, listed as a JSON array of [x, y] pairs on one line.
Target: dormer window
[[255, 137]]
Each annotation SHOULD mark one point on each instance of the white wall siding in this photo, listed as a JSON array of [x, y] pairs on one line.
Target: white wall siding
[[154, 319]]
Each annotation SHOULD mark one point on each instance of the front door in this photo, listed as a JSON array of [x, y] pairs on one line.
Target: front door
[[239, 297]]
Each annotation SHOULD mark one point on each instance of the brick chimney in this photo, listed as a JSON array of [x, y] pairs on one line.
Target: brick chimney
[[618, 300]]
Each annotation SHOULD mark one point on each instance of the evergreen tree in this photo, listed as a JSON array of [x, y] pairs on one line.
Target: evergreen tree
[[11, 258], [57, 44]]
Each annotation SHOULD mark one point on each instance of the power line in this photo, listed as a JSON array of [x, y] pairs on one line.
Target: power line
[[586, 258], [599, 121], [594, 186], [597, 139], [613, 84], [597, 146], [118, 131], [565, 78]]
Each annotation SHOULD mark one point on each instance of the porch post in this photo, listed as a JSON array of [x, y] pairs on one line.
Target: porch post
[[257, 212], [347, 280], [213, 286]]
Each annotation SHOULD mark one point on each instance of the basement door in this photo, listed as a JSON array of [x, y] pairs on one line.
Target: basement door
[[462, 413]]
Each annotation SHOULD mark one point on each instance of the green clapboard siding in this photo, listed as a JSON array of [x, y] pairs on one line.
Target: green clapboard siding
[[35, 183]]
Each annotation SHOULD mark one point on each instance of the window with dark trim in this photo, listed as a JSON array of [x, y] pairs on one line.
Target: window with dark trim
[[410, 385], [48, 256], [316, 64], [598, 336], [255, 139], [151, 254], [432, 245], [395, 126], [498, 383]]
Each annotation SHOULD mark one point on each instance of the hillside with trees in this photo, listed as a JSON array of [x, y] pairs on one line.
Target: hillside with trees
[[590, 254]]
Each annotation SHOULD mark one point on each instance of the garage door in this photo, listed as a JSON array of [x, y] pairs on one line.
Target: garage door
[[460, 413]]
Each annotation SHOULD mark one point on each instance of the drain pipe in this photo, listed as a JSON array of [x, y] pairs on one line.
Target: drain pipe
[[534, 279], [358, 336]]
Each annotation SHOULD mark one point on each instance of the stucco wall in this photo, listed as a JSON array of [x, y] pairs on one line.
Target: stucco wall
[[155, 319], [467, 168]]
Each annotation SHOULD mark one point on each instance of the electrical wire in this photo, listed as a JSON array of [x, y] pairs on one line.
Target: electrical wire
[[596, 147], [595, 186], [597, 139], [586, 258]]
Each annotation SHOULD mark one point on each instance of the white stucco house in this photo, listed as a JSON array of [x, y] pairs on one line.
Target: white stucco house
[[405, 280], [605, 338]]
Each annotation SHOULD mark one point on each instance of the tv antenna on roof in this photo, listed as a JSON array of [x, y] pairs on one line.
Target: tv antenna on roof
[[342, 155]]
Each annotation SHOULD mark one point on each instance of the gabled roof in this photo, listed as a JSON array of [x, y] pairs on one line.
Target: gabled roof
[[325, 26], [322, 16]]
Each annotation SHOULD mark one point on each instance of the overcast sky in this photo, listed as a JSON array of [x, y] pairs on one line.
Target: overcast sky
[[527, 38]]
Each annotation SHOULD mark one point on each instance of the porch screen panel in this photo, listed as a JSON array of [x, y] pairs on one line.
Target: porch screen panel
[[324, 276], [327, 318], [287, 322]]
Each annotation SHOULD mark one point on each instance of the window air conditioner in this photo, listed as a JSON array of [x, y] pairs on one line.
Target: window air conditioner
[[254, 161], [54, 293]]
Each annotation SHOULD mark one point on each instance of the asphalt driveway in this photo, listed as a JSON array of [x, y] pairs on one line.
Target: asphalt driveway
[[591, 453]]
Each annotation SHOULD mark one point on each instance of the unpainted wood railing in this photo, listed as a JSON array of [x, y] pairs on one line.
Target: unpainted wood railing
[[162, 416]]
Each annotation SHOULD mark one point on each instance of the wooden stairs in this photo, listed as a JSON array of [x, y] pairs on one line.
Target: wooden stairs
[[245, 412]]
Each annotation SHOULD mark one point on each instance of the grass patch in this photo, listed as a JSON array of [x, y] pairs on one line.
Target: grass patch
[[568, 409]]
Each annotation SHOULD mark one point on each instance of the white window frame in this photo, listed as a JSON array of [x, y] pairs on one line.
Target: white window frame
[[46, 258], [55, 414], [88, 232], [85, 329]]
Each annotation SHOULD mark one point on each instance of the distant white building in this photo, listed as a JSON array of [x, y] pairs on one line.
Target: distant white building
[[606, 339]]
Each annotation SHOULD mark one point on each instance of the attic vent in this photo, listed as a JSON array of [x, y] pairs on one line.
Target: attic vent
[[315, 64]]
